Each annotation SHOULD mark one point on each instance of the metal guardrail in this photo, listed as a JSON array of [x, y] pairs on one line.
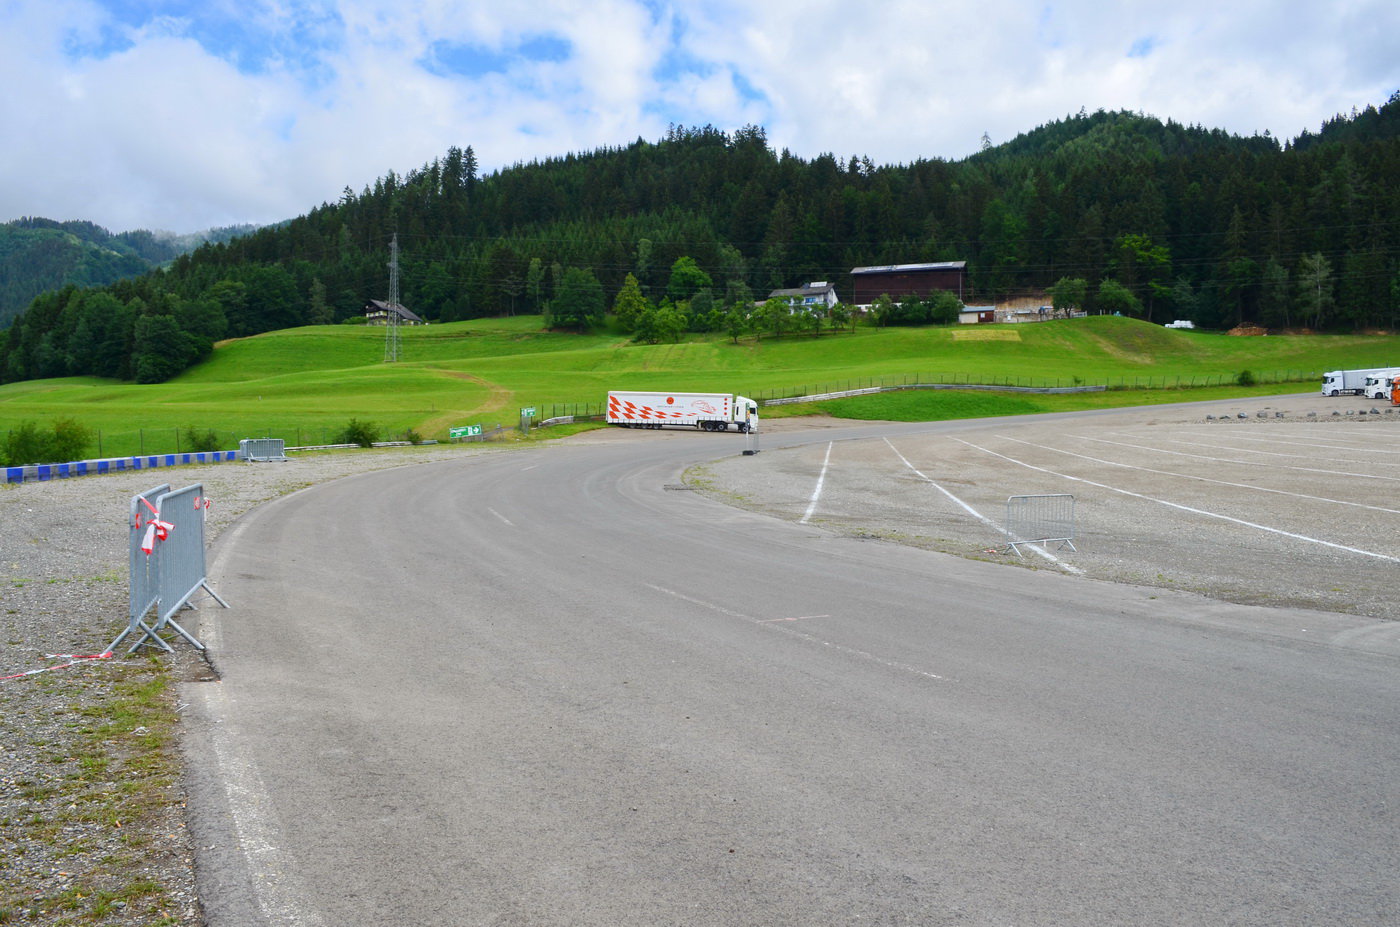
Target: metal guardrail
[[63, 471]]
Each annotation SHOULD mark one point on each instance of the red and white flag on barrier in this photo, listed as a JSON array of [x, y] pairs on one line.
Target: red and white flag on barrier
[[156, 530]]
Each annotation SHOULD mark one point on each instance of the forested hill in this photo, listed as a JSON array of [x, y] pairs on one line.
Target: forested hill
[[1127, 212], [39, 254]]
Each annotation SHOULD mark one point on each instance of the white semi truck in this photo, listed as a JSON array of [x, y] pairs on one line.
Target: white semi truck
[[706, 411], [1336, 382], [1378, 384]]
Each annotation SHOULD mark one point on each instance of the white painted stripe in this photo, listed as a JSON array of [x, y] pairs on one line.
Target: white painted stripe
[[984, 519], [1203, 479], [817, 493], [1184, 508], [273, 874], [1365, 448], [1251, 463]]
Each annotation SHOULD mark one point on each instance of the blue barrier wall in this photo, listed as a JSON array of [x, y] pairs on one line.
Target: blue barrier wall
[[85, 467]]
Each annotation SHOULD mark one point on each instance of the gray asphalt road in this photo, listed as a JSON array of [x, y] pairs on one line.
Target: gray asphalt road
[[552, 687]]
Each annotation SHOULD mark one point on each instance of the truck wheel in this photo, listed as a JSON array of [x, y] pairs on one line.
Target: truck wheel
[[1334, 392], [744, 428]]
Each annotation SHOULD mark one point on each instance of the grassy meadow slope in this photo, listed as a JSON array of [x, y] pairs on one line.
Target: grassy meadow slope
[[304, 384]]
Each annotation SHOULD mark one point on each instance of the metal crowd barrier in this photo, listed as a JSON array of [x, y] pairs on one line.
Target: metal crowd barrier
[[167, 562], [1042, 519], [260, 449], [143, 593]]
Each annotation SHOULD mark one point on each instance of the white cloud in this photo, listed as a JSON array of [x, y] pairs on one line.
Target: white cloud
[[219, 113]]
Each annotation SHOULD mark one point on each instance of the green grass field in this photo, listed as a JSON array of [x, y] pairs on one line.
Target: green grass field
[[305, 384]]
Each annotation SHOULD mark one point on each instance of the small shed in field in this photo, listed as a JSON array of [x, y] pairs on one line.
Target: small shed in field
[[977, 315]]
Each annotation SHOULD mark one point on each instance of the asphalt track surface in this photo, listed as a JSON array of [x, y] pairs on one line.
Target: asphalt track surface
[[552, 686]]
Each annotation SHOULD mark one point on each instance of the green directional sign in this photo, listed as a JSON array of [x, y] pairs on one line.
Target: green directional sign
[[464, 431], [528, 412]]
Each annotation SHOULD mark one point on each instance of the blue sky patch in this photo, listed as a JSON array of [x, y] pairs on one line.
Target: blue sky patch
[[1142, 47], [249, 38], [454, 59]]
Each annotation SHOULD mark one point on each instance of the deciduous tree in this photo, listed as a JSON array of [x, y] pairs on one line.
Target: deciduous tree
[[579, 302]]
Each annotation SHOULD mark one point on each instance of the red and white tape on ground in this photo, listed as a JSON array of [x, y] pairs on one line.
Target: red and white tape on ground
[[72, 658]]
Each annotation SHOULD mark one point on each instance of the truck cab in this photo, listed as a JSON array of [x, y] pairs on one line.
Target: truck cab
[[1378, 385], [746, 414]]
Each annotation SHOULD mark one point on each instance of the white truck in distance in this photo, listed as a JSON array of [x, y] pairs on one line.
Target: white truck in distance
[[1378, 384], [1336, 382], [706, 411]]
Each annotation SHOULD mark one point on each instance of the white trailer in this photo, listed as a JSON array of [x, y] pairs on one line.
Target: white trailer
[[1378, 384], [706, 411], [1337, 382]]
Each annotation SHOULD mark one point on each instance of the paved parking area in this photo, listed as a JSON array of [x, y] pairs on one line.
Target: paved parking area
[[1277, 508]]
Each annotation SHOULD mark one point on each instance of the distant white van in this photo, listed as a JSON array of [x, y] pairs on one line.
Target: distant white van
[[1181, 323]]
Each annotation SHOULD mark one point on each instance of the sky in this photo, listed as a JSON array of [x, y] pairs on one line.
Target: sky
[[182, 115]]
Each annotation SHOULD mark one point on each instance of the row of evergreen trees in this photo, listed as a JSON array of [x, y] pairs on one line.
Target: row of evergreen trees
[[1187, 222]]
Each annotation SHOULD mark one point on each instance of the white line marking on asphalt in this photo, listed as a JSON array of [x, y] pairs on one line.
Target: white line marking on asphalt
[[842, 648], [500, 516], [1203, 479], [984, 519], [1184, 508], [1370, 448], [1248, 463], [797, 618], [816, 493], [272, 873]]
